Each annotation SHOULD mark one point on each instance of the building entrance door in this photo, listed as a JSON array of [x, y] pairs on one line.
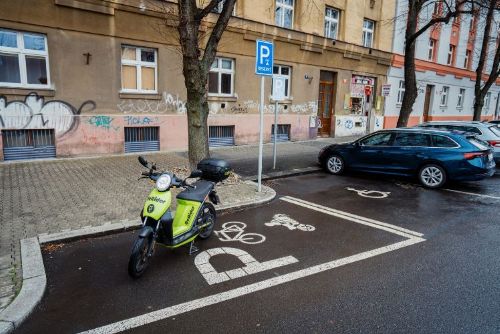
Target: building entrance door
[[325, 108], [427, 102]]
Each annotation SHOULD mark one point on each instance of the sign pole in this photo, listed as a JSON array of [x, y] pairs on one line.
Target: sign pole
[[275, 132], [261, 134]]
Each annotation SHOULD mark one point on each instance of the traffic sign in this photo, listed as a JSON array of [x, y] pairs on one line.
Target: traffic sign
[[278, 88], [264, 58]]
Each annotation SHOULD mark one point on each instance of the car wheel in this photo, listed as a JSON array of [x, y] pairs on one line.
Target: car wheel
[[335, 164], [432, 176]]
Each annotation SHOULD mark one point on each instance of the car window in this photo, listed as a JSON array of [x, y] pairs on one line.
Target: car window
[[471, 129], [380, 139], [478, 143], [495, 130], [442, 141], [412, 139]]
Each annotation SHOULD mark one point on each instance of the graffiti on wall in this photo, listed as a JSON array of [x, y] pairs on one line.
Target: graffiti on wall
[[132, 120], [103, 122], [35, 113], [167, 103], [245, 107]]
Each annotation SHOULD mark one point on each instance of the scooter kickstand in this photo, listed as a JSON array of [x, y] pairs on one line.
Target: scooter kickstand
[[192, 248]]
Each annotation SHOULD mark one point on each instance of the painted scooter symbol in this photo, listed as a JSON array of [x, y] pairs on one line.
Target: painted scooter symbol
[[370, 193]]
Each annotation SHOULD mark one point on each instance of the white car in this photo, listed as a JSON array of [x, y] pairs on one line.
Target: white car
[[487, 132]]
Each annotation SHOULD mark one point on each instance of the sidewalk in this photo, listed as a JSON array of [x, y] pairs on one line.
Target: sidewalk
[[47, 197]]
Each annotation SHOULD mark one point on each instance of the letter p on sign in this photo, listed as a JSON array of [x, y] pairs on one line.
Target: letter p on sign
[[264, 58]]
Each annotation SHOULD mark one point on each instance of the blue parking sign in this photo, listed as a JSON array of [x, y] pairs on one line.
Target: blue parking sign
[[264, 58]]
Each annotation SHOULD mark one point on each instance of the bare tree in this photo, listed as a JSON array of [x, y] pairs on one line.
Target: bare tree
[[196, 62], [448, 9], [480, 89]]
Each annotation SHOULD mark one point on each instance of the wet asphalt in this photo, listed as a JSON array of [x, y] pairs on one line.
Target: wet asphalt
[[447, 284]]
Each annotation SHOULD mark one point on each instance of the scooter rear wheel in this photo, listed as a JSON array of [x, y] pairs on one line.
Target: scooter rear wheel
[[140, 257], [208, 217]]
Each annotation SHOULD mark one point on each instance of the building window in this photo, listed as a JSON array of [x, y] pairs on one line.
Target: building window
[[218, 8], [368, 30], [284, 13], [139, 73], [466, 59], [24, 60], [331, 23], [432, 45], [461, 96], [283, 74], [451, 55], [444, 96], [401, 91], [487, 99], [221, 77]]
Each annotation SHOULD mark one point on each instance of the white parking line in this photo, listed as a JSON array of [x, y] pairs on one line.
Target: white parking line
[[162, 314], [472, 194], [354, 218]]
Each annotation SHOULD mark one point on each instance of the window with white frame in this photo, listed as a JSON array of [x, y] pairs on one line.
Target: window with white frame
[[139, 70], [221, 77], [487, 99], [24, 59], [368, 31], [451, 54], [283, 74], [444, 96], [432, 44], [461, 96], [284, 13], [401, 91], [331, 23], [466, 59]]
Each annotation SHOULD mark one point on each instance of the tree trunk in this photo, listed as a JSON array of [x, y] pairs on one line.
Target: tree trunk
[[410, 78]]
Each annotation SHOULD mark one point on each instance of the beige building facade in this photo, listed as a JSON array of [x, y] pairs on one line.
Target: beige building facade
[[85, 77]]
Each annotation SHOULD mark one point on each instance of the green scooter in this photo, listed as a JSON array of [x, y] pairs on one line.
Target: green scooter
[[194, 216]]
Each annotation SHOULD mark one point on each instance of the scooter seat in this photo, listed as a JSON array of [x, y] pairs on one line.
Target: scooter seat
[[201, 189]]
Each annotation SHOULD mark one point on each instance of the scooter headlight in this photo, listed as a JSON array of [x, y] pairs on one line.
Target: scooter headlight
[[163, 182]]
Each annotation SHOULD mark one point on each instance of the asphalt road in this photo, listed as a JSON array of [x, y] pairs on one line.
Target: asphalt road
[[414, 260]]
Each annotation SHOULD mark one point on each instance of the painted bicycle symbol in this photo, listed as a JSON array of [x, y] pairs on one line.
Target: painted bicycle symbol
[[235, 231], [370, 193]]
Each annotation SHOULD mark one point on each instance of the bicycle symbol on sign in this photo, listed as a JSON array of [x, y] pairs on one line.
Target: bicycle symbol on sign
[[234, 231]]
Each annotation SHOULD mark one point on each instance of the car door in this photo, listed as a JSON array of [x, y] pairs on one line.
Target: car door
[[407, 152], [369, 152]]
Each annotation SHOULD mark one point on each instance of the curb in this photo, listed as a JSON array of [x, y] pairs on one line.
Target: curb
[[33, 287], [288, 173], [35, 280]]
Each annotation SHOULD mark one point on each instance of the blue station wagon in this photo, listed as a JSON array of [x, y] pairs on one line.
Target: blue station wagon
[[433, 156]]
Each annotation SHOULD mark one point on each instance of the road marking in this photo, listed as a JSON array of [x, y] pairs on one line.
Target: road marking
[[281, 219], [233, 231], [175, 310], [473, 194], [352, 217], [252, 266], [370, 193], [171, 311]]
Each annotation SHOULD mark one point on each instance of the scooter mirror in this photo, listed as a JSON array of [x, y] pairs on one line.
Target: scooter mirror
[[143, 161], [196, 173]]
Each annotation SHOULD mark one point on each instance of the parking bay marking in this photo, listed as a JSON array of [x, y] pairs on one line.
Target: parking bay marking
[[171, 311], [472, 194]]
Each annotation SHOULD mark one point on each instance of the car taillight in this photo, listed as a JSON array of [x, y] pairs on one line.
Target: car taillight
[[494, 143], [474, 155]]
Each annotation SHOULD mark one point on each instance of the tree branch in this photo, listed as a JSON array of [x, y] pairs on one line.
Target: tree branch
[[202, 12]]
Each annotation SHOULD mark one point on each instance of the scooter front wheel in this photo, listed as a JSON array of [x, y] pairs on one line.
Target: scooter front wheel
[[140, 257]]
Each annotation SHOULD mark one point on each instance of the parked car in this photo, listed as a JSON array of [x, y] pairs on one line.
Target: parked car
[[484, 131], [433, 156], [496, 121]]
